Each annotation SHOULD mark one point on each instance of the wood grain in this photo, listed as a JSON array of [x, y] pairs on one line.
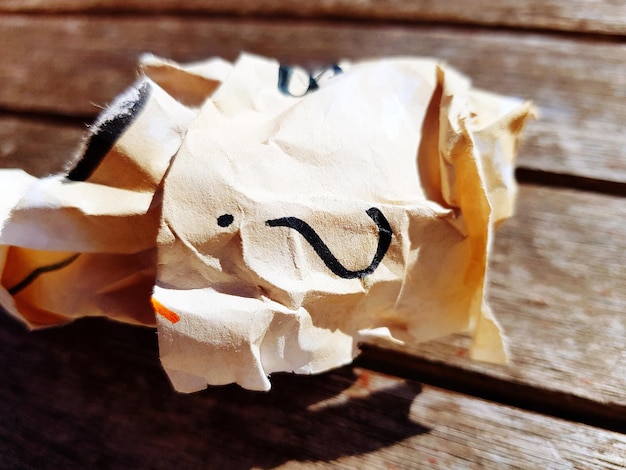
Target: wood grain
[[92, 395], [38, 145], [64, 65], [605, 17], [558, 286]]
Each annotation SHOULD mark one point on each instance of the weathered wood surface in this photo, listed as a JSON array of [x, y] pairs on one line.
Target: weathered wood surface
[[38, 145], [604, 17], [558, 286], [92, 395], [62, 66]]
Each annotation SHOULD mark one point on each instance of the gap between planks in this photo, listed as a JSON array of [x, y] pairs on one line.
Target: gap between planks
[[524, 396], [559, 180]]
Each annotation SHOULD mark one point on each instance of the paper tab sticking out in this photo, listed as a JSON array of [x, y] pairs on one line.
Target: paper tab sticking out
[[267, 219]]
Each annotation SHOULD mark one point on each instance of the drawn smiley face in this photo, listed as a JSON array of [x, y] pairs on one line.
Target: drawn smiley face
[[252, 303]]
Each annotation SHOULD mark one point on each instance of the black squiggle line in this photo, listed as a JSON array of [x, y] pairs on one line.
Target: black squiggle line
[[322, 250], [24, 283]]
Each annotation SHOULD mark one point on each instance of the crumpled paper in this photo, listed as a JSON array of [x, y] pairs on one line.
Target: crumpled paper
[[269, 219]]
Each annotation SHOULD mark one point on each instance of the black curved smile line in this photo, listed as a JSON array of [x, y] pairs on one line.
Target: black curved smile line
[[322, 250]]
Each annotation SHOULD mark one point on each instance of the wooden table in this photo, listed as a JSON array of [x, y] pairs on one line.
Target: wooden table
[[93, 395]]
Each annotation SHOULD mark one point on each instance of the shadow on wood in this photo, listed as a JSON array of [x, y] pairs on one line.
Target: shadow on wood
[[92, 394]]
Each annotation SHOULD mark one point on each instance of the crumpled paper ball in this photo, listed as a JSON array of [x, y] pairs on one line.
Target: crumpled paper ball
[[270, 219]]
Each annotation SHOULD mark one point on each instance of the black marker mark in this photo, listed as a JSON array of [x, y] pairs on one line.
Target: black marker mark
[[225, 220], [24, 283], [285, 73], [322, 250], [105, 135]]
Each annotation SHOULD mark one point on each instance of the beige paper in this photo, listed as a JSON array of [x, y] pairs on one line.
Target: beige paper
[[272, 218]]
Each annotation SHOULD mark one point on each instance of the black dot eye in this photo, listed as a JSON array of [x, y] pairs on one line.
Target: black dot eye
[[225, 220]]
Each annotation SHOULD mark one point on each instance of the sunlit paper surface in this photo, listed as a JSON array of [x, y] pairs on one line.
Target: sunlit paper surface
[[269, 219]]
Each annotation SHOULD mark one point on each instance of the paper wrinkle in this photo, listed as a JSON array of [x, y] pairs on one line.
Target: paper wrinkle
[[14, 183], [50, 208], [142, 153], [275, 218], [191, 84]]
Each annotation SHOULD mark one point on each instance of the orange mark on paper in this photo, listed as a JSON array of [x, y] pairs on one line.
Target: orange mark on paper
[[164, 311], [364, 379], [462, 353]]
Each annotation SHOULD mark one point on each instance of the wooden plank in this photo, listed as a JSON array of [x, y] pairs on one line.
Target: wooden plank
[[40, 146], [606, 17], [92, 395], [64, 65], [558, 286]]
